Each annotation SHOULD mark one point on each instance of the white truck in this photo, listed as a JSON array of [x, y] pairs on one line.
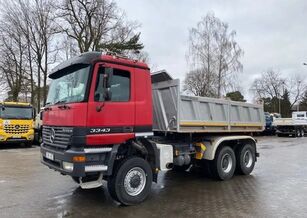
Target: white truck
[[38, 127], [295, 126]]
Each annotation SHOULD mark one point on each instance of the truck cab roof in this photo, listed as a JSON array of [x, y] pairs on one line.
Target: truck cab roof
[[88, 58]]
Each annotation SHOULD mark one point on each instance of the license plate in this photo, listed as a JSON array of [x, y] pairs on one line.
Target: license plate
[[16, 136], [49, 156]]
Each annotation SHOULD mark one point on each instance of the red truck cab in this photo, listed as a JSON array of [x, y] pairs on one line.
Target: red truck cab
[[95, 104]]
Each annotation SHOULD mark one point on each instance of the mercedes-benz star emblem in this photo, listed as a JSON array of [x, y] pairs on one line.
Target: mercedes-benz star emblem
[[17, 127], [52, 135]]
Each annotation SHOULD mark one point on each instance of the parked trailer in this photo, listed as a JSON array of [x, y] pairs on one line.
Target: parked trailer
[[107, 118], [295, 126]]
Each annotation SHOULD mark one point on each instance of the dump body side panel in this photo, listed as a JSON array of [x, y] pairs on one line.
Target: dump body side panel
[[178, 113]]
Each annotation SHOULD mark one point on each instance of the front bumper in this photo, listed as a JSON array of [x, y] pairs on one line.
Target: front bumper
[[16, 138], [97, 160]]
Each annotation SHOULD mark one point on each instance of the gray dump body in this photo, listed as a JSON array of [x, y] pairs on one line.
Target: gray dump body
[[179, 113]]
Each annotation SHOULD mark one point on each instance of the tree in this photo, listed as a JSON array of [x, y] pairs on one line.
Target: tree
[[279, 93], [200, 83], [27, 31], [303, 103], [98, 25], [285, 104], [213, 57], [270, 84], [235, 96], [13, 51]]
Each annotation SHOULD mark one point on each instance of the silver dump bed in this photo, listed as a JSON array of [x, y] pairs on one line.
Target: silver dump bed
[[174, 112]]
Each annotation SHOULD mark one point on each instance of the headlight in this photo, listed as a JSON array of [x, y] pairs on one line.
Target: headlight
[[1, 137], [68, 166]]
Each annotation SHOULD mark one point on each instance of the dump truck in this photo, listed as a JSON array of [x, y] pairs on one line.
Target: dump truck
[[108, 118], [16, 123], [296, 126]]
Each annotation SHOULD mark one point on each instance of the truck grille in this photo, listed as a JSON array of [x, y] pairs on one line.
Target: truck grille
[[16, 129], [58, 137]]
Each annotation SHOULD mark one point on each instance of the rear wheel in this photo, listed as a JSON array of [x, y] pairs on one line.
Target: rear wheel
[[246, 157], [297, 133], [131, 182], [302, 133], [224, 164]]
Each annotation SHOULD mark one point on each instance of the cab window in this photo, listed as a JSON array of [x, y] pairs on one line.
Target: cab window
[[119, 85]]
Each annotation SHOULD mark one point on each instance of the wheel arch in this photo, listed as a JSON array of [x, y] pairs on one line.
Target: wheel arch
[[232, 141], [144, 148]]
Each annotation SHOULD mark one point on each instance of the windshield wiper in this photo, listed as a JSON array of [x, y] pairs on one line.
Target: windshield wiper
[[60, 101]]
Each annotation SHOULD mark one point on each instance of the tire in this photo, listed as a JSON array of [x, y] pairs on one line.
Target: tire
[[133, 171], [224, 164], [297, 133], [302, 133], [246, 157], [279, 135]]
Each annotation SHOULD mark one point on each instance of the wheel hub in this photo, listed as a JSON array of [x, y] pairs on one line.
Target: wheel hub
[[226, 163], [247, 159], [135, 181]]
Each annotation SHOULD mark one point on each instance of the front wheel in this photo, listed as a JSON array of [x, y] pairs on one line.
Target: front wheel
[[131, 182], [224, 164], [246, 157]]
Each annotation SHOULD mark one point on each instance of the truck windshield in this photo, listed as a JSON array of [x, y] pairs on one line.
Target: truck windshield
[[11, 112], [69, 88]]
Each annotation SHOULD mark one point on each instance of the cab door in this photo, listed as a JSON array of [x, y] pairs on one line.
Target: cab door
[[111, 119]]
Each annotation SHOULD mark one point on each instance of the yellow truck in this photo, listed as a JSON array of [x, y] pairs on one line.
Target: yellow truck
[[16, 123]]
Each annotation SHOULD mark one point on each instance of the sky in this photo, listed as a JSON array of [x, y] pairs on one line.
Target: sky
[[272, 33]]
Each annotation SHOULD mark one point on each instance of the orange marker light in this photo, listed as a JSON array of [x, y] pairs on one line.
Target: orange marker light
[[78, 159]]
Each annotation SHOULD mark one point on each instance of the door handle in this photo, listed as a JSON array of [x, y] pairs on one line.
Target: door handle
[[99, 107]]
